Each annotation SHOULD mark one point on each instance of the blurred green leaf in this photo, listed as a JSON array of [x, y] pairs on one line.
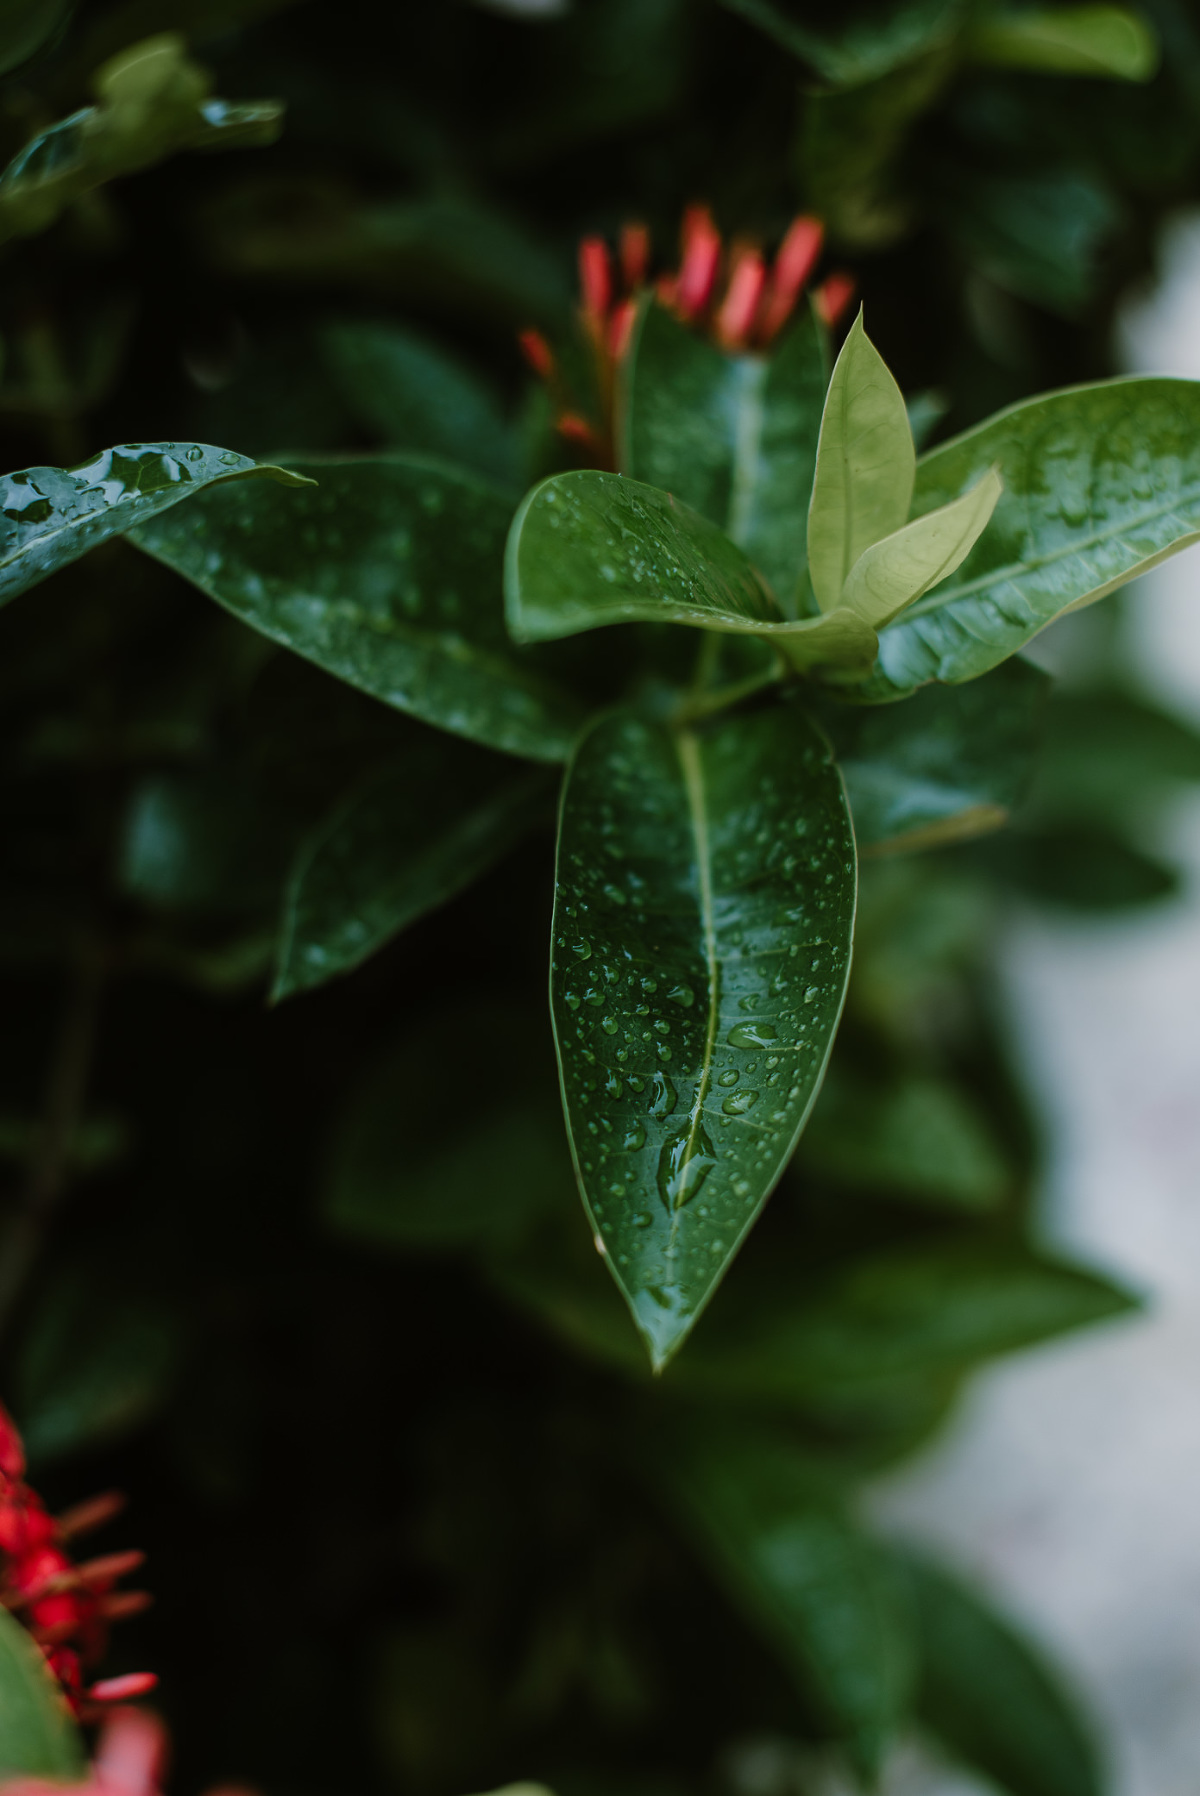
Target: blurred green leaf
[[701, 934], [989, 1695], [390, 579], [54, 515], [1112, 41], [1038, 235], [38, 1737], [26, 26], [404, 840], [1081, 867], [733, 436], [915, 1138], [949, 764], [416, 396], [152, 102], [1100, 482], [200, 842], [823, 1593], [871, 42], [1111, 755]]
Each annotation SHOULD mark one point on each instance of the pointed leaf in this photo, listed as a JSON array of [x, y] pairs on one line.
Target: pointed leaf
[[1107, 41], [701, 946], [733, 436], [989, 1695], [52, 516], [391, 580], [38, 1738], [588, 549], [865, 461], [898, 569], [820, 1590], [1100, 484], [401, 842]]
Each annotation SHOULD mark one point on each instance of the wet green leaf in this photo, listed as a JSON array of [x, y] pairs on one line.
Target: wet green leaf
[[1100, 483], [865, 460], [390, 578], [402, 841], [1110, 41], [54, 515], [733, 436], [821, 1591], [989, 1695], [702, 926], [587, 549], [950, 763], [152, 102], [38, 1737]]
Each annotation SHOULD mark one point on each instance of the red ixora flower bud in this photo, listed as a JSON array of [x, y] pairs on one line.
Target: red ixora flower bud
[[66, 1607]]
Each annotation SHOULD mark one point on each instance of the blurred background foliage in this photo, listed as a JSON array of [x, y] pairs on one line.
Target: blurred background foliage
[[310, 1280]]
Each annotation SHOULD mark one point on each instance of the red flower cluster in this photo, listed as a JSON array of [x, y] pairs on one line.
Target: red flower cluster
[[66, 1607], [735, 297]]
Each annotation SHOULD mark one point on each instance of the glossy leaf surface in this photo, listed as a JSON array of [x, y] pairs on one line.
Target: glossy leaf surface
[[987, 1693], [54, 515], [389, 577], [899, 568], [818, 1588], [950, 763], [1100, 483], [588, 549], [38, 1738], [701, 946], [402, 841], [865, 461], [733, 436]]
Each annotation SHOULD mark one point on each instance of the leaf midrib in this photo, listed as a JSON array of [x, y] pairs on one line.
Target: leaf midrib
[[687, 749]]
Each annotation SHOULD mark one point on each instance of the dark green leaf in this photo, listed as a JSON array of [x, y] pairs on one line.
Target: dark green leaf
[[38, 1737], [1110, 755], [818, 1588], [702, 926], [949, 764], [587, 549], [733, 436], [404, 840], [916, 1138], [1107, 41], [54, 515], [1082, 867], [204, 842], [1100, 483], [866, 46], [1039, 236], [416, 396], [389, 578], [989, 1695], [407, 1171], [25, 26]]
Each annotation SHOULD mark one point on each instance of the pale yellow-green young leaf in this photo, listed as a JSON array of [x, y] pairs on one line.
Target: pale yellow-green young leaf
[[866, 464], [895, 571], [841, 643]]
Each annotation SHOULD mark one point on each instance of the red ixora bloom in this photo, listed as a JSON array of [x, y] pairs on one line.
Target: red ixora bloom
[[68, 1608], [735, 296]]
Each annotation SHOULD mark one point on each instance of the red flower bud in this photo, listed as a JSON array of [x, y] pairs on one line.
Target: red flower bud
[[134, 1683], [736, 314], [701, 259], [537, 353], [635, 255], [834, 295], [595, 278]]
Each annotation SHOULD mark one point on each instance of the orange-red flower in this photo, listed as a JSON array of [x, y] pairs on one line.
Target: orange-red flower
[[68, 1608]]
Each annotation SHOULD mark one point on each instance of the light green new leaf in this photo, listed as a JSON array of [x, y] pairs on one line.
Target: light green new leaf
[[1100, 483], [588, 549], [389, 577], [989, 1696], [733, 436], [701, 948], [403, 841], [825, 1596], [38, 1738], [895, 571], [52, 516], [1109, 41], [865, 463]]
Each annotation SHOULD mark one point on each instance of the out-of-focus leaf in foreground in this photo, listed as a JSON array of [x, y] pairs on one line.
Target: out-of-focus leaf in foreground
[[38, 1738]]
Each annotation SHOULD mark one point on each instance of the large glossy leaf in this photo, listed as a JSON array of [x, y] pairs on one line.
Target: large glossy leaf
[[54, 515], [389, 578], [823, 1593], [950, 763], [406, 838], [733, 436], [865, 461], [701, 946], [989, 1695], [587, 549], [38, 1738], [1100, 483]]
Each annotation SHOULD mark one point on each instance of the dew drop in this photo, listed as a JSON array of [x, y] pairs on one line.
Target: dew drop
[[609, 1025], [664, 1096], [686, 1160], [739, 1103], [635, 1137], [729, 1078], [751, 1035], [583, 950], [682, 994]]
